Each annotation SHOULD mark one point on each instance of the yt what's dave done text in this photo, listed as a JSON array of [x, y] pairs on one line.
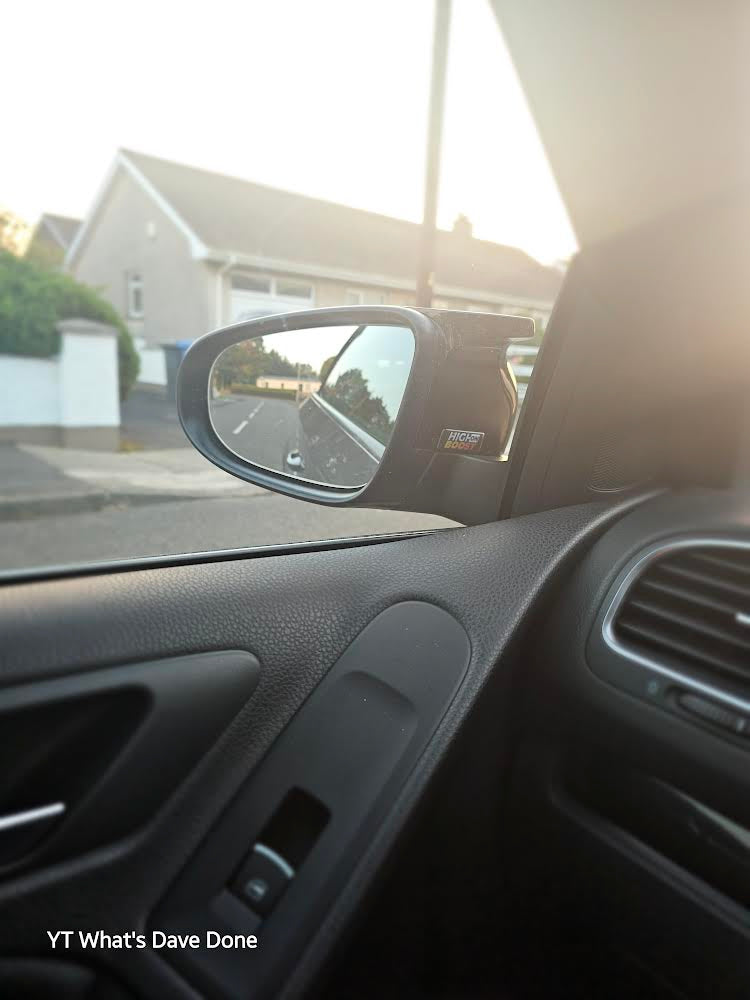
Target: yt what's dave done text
[[156, 939]]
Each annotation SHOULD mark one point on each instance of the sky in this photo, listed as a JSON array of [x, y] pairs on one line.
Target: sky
[[299, 346], [325, 97]]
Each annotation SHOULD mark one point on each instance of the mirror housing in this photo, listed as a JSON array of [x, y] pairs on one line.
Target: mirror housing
[[446, 454]]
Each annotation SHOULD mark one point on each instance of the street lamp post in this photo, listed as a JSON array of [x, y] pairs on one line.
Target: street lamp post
[[426, 264]]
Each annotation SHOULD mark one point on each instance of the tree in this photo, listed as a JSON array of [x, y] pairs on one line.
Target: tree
[[351, 395], [326, 367], [242, 362], [14, 232], [33, 300], [246, 361]]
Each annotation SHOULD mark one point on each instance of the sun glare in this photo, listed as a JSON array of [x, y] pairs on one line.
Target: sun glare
[[288, 97]]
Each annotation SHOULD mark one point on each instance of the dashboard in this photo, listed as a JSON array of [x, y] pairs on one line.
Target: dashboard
[[631, 790]]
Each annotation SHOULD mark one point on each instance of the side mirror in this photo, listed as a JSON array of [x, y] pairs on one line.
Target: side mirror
[[364, 406]]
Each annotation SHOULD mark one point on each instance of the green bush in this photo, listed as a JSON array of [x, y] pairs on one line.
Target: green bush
[[242, 389], [33, 300]]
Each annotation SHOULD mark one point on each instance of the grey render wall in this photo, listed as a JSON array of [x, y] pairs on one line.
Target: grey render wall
[[175, 287]]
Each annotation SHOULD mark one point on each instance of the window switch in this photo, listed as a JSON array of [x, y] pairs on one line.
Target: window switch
[[262, 879]]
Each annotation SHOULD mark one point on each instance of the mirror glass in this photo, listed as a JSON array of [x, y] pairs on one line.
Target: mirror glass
[[317, 404]]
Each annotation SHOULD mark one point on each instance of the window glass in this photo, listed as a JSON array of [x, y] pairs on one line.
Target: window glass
[[293, 289], [122, 250], [251, 283], [366, 383], [135, 295]]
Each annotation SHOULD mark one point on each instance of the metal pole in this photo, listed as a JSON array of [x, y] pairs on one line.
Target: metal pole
[[426, 266]]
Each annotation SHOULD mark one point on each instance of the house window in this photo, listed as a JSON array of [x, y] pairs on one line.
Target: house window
[[282, 287], [354, 297], [293, 289], [251, 283], [135, 295]]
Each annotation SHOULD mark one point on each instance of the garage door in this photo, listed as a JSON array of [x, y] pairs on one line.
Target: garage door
[[263, 296]]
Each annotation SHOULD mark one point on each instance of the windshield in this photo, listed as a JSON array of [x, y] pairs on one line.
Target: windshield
[[170, 171]]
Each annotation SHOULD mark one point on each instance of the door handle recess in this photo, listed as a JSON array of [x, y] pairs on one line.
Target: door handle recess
[[128, 714]]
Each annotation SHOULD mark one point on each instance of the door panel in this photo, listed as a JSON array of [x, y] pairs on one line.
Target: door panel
[[382, 700], [296, 613]]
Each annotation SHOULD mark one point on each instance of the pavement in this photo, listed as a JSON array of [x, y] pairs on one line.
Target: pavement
[[156, 463], [25, 476], [64, 506], [171, 472]]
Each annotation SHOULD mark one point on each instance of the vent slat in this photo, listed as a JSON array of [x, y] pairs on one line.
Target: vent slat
[[725, 563], [742, 642], [707, 580], [684, 607], [689, 596], [680, 649]]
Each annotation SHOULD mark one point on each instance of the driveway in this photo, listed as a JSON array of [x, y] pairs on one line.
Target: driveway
[[149, 420]]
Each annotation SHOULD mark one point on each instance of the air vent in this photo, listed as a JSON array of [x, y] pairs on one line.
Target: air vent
[[691, 606]]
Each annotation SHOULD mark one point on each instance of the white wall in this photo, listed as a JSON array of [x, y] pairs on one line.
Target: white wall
[[76, 389], [153, 363], [89, 391], [30, 395]]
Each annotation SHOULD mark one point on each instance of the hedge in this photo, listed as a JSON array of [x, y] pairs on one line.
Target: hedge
[[241, 389], [33, 300]]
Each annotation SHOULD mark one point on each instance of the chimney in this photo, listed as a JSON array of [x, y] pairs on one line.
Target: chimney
[[462, 227]]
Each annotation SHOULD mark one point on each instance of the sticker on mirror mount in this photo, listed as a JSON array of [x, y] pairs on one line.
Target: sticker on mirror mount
[[456, 440]]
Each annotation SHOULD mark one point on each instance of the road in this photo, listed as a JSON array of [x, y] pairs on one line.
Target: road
[[262, 430], [159, 497], [165, 528]]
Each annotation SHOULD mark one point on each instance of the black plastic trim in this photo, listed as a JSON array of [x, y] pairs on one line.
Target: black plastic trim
[[35, 573]]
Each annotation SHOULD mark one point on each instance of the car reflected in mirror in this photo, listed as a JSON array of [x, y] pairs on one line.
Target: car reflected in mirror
[[318, 404]]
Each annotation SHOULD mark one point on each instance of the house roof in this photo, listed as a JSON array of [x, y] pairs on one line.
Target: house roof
[[62, 228], [228, 215]]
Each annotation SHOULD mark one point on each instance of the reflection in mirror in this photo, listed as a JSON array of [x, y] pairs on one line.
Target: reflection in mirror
[[317, 404]]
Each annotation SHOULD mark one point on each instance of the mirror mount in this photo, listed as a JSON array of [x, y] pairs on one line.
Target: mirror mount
[[445, 453]]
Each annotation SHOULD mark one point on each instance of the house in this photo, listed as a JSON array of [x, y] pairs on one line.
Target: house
[[303, 384], [180, 251], [52, 238]]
